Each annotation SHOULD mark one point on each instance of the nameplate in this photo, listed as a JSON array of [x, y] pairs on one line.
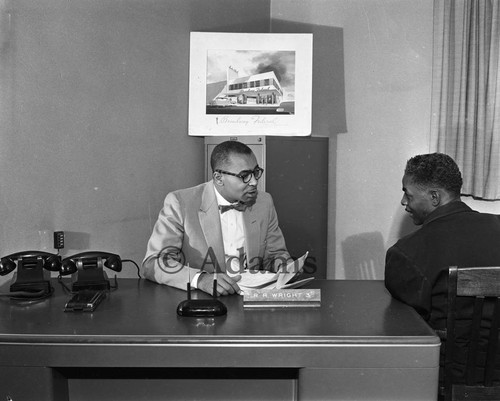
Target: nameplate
[[284, 298]]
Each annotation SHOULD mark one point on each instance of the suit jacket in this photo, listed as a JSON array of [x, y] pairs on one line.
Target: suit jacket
[[416, 270], [188, 232]]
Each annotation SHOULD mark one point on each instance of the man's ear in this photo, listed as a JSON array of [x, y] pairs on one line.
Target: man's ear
[[217, 178], [435, 197]]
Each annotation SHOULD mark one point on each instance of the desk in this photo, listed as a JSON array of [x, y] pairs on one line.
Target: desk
[[359, 345]]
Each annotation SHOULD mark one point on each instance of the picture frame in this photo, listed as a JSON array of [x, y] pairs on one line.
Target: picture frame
[[250, 84]]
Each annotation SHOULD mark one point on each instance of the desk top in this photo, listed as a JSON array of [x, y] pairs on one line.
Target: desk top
[[143, 312]]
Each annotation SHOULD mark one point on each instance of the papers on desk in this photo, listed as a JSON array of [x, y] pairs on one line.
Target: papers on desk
[[259, 279], [263, 289]]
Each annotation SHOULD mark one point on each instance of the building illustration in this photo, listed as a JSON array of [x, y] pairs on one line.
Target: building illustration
[[261, 89]]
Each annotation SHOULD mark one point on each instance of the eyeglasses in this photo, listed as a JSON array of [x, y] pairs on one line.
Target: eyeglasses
[[245, 175]]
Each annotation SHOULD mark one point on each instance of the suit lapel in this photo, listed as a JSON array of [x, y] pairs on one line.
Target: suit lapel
[[210, 223], [252, 233]]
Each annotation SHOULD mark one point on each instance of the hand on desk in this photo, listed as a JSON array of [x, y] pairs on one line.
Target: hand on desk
[[225, 285]]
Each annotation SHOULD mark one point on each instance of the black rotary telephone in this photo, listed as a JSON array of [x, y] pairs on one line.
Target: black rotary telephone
[[32, 278], [87, 269]]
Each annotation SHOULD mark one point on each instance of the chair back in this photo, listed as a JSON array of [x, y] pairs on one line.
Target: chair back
[[481, 285]]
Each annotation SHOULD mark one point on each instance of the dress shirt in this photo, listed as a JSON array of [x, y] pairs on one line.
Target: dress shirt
[[233, 235]]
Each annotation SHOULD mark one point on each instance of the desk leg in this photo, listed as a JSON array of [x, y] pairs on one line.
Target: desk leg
[[388, 384], [32, 383]]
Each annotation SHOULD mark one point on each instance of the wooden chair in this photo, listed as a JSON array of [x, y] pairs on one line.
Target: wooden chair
[[482, 285]]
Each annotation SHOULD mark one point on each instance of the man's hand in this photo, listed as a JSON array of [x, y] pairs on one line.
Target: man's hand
[[225, 285]]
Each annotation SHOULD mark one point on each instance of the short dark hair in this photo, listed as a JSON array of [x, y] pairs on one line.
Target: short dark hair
[[435, 169], [222, 152]]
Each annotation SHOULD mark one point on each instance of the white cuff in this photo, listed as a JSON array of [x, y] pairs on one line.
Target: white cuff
[[194, 280]]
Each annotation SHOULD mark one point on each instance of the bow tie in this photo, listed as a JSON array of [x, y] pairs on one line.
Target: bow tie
[[239, 206]]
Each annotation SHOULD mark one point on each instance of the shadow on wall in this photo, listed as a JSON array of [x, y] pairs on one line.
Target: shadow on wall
[[401, 226], [364, 256]]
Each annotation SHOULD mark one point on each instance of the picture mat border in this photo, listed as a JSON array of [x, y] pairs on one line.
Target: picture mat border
[[298, 124]]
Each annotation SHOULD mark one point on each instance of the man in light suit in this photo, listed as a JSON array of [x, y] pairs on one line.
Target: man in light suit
[[221, 226]]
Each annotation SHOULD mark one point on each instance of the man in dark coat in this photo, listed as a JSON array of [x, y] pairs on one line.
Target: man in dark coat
[[451, 234]]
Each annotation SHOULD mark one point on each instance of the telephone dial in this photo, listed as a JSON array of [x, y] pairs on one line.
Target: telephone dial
[[87, 269], [32, 278]]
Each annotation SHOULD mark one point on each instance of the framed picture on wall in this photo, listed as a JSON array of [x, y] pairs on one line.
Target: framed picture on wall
[[250, 84]]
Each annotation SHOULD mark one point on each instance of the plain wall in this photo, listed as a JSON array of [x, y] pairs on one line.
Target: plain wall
[[94, 113], [388, 79], [388, 74]]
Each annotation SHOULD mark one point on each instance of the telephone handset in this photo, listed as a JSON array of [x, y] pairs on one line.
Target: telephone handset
[[91, 260], [30, 260], [32, 278], [88, 267]]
